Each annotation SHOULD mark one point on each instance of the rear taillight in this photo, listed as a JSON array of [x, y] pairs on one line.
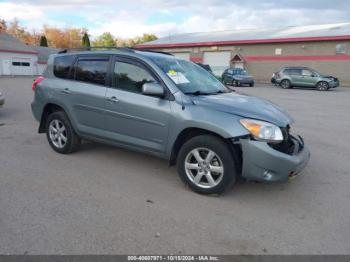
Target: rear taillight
[[37, 81]]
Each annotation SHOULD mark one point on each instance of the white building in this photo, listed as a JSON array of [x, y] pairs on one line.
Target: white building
[[17, 58]]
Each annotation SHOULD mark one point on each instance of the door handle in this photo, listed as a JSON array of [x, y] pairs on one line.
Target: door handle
[[65, 91], [112, 99]]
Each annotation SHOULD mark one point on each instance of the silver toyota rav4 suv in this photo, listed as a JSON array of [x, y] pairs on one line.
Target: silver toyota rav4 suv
[[158, 104]]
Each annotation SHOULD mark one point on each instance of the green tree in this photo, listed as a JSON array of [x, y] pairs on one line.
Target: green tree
[[85, 40], [43, 41], [145, 38], [106, 39]]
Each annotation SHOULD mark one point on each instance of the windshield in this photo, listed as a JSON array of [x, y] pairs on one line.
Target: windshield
[[240, 72], [315, 72], [189, 77]]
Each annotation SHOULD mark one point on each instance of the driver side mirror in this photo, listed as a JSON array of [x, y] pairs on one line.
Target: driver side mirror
[[152, 89]]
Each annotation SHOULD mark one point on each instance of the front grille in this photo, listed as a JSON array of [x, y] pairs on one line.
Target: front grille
[[286, 146], [289, 144]]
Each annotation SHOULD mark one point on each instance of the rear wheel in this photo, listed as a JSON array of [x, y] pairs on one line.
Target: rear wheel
[[322, 86], [285, 84], [60, 134], [206, 165], [251, 85]]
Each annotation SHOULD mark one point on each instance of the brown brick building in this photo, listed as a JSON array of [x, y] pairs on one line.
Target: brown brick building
[[325, 48]]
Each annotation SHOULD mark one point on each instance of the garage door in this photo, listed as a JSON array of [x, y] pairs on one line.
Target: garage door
[[185, 56], [218, 61], [21, 67]]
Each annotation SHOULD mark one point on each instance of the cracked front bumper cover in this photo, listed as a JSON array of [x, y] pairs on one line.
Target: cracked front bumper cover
[[261, 162], [2, 100]]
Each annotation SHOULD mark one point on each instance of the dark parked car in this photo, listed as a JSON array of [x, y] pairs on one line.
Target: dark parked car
[[206, 67], [237, 77], [289, 77]]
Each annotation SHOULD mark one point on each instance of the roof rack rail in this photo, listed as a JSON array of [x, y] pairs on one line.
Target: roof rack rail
[[127, 49], [90, 48], [151, 51]]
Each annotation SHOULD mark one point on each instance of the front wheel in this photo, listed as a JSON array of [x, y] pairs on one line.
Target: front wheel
[[236, 83], [60, 134], [322, 86], [206, 164]]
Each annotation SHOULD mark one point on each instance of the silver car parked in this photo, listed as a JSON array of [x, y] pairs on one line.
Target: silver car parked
[[158, 104]]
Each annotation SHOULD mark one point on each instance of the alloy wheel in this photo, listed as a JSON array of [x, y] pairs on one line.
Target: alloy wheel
[[323, 86], [58, 133], [204, 167], [285, 84]]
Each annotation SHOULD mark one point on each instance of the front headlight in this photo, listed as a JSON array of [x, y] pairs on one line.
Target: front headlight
[[262, 130]]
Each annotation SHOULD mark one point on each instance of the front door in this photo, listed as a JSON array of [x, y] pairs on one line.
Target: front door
[[131, 117], [308, 78]]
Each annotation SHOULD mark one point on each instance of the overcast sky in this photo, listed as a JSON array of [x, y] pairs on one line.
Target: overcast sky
[[130, 18]]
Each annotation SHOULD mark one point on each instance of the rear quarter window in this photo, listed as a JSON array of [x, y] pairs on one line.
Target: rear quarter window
[[292, 71], [63, 65]]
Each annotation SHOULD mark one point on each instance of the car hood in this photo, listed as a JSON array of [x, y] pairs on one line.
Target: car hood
[[245, 106], [329, 77]]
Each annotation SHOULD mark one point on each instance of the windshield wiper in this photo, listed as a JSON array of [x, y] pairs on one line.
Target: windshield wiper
[[217, 92], [197, 93]]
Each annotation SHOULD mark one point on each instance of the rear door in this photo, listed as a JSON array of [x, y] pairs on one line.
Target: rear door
[[85, 95], [133, 118], [296, 77]]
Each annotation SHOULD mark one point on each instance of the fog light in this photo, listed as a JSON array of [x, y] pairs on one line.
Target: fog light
[[267, 175]]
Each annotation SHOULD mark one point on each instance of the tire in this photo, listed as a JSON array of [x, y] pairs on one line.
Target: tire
[[251, 85], [65, 140], [236, 83], [322, 86], [286, 84], [202, 178]]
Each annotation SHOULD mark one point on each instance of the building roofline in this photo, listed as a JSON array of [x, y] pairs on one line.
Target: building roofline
[[18, 51], [248, 42]]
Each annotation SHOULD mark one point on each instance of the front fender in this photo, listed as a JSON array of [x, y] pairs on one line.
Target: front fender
[[191, 116]]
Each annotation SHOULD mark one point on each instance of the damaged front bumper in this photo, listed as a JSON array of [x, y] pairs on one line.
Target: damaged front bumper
[[2, 100], [263, 161]]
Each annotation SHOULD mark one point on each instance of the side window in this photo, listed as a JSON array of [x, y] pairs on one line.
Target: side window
[[292, 72], [296, 72], [131, 77], [92, 70], [286, 71], [306, 72], [62, 66]]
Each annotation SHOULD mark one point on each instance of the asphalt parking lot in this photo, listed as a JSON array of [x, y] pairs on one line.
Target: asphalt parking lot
[[104, 200]]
